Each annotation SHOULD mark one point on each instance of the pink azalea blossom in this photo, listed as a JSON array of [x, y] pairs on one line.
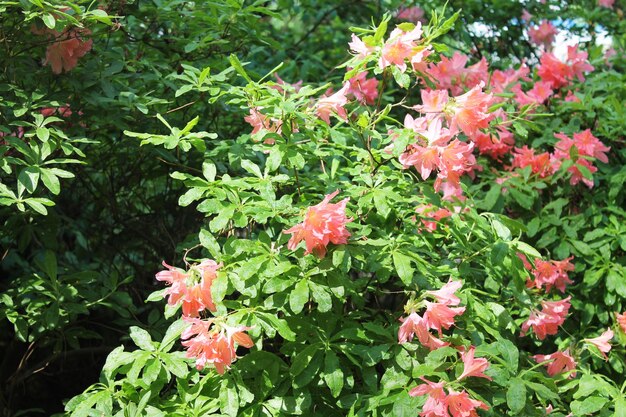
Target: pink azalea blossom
[[460, 404], [438, 316], [359, 47], [621, 320], [412, 14], [606, 3], [558, 362], [544, 34], [552, 273], [543, 164], [428, 211], [363, 89], [435, 405], [334, 103], [323, 223], [446, 294], [63, 54], [214, 346], [547, 321], [399, 47], [472, 366], [470, 111], [602, 342], [526, 16], [415, 325]]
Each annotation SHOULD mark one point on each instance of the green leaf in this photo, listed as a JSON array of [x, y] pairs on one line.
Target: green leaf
[[51, 181], [208, 241], [333, 375], [236, 64], [43, 134], [28, 178], [141, 338], [588, 405], [251, 167], [516, 395], [209, 171], [501, 230], [402, 263], [172, 334], [49, 20], [299, 296], [229, 399], [280, 325], [36, 205]]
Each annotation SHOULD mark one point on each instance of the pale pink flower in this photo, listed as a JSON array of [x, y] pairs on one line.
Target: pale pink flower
[[412, 14], [433, 102], [559, 362], [540, 92], [526, 16], [472, 366], [177, 281], [544, 34], [606, 3], [446, 294], [323, 223], [399, 47], [334, 103], [282, 85], [602, 342], [359, 47]]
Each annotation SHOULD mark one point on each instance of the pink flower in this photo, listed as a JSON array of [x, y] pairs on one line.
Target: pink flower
[[606, 3], [473, 367], [415, 325], [177, 281], [586, 145], [460, 404], [559, 362], [439, 315], [543, 164], [540, 92], [446, 294], [552, 273], [553, 71], [547, 321], [470, 110], [194, 295], [323, 223], [544, 34], [494, 146], [363, 89], [433, 102], [412, 14], [602, 342], [435, 404], [621, 320], [282, 84], [359, 47], [67, 48], [260, 121], [428, 211], [333, 104], [526, 16], [215, 346], [399, 47]]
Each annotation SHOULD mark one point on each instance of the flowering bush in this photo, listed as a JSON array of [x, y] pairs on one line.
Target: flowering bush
[[416, 237]]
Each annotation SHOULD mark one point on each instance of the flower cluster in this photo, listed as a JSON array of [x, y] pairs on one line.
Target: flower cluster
[[67, 48], [558, 363], [323, 223], [215, 345], [208, 341], [551, 274], [548, 320]]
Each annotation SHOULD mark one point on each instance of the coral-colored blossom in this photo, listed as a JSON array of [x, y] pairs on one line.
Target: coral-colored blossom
[[470, 111], [213, 345], [323, 223], [67, 48], [547, 321], [602, 342], [194, 295], [428, 211], [543, 164], [399, 47], [586, 145], [552, 274], [260, 122], [473, 366], [621, 320], [460, 404], [559, 362]]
